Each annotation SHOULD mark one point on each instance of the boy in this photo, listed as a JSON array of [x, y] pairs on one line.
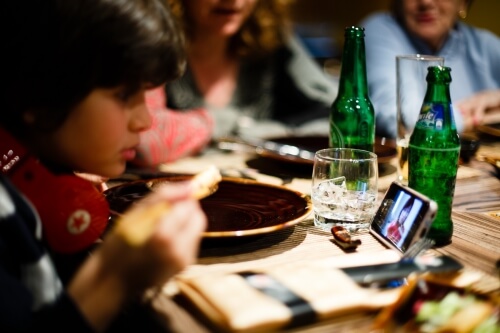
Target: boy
[[77, 72]]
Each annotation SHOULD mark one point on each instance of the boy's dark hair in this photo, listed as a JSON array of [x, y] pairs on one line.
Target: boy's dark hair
[[58, 51]]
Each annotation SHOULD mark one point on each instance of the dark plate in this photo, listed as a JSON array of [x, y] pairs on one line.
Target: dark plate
[[239, 207], [384, 148]]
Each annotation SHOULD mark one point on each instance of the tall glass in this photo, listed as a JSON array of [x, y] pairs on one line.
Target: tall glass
[[344, 188], [411, 71]]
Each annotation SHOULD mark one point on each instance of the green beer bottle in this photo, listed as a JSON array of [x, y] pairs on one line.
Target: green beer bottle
[[433, 152], [352, 117]]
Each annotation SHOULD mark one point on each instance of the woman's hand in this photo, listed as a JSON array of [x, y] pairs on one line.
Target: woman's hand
[[474, 108], [117, 270]]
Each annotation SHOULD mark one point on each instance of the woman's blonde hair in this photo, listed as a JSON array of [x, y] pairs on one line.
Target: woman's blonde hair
[[264, 31]]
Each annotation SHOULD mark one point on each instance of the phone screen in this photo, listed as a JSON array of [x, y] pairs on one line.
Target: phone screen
[[399, 217]]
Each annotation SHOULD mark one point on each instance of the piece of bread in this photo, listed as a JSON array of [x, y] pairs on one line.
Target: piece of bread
[[205, 182], [136, 225]]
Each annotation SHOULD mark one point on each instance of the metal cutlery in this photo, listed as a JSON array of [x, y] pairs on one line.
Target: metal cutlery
[[262, 147]]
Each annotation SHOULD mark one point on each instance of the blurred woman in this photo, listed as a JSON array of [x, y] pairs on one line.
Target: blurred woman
[[433, 27], [247, 68]]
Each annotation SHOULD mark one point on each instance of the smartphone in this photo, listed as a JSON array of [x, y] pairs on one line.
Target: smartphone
[[403, 217]]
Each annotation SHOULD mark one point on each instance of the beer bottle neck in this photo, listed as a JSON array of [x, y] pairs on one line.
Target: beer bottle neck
[[353, 73]]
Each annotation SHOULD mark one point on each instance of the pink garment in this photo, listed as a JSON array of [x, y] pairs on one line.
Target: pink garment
[[393, 232], [172, 134]]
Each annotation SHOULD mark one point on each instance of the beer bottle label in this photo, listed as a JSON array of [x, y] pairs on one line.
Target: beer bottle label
[[431, 117]]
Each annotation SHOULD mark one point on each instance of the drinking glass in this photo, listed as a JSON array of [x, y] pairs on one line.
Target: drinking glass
[[344, 188], [411, 71]]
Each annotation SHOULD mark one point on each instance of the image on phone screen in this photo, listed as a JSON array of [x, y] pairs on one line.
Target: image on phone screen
[[399, 218]]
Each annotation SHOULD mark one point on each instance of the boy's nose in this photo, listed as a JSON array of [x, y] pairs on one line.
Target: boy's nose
[[141, 119]]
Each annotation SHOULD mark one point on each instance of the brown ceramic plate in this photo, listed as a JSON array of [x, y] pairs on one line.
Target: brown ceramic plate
[[239, 207], [490, 129], [384, 148]]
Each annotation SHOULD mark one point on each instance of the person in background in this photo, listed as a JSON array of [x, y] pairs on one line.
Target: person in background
[[249, 70], [248, 75], [433, 27], [77, 73]]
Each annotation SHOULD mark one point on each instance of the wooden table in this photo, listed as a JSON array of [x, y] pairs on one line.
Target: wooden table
[[475, 243]]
